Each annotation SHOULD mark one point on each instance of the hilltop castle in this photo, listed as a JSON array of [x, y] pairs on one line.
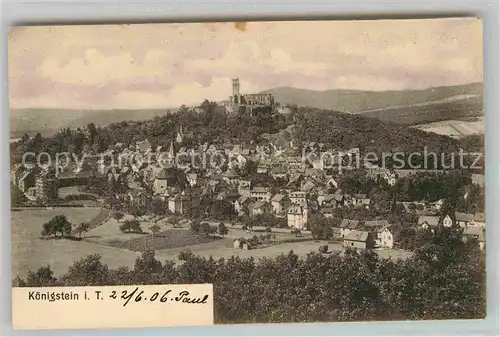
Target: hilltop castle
[[246, 103]]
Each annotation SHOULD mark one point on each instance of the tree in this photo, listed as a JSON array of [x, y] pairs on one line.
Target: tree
[[137, 211], [195, 226], [146, 265], [327, 232], [131, 226], [82, 228], [157, 207], [92, 130], [316, 231], [323, 249], [223, 229], [185, 255], [43, 277], [57, 225], [222, 209], [88, 271], [206, 229], [17, 197], [155, 229], [118, 216]]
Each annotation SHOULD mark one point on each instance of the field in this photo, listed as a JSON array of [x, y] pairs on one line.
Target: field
[[455, 128], [29, 252], [441, 110], [171, 238], [121, 249]]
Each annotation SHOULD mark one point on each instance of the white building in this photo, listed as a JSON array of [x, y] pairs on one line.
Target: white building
[[384, 239], [297, 216], [261, 193]]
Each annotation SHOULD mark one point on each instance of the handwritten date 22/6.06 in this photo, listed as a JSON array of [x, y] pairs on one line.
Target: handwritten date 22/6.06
[[138, 295]]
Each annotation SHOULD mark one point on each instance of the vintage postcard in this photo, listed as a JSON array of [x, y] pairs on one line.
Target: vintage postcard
[[247, 172]]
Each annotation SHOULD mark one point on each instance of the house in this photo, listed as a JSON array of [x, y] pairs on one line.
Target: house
[[139, 196], [385, 239], [231, 177], [297, 216], [261, 193], [390, 177], [463, 219], [359, 240], [143, 146], [178, 203], [478, 179], [278, 172], [332, 183], [347, 225], [361, 201], [262, 167], [244, 187], [321, 194], [337, 233], [476, 233], [16, 173], [192, 179], [428, 222], [160, 183], [298, 197], [338, 198], [230, 196], [260, 207], [307, 186], [447, 221], [238, 243], [318, 164], [439, 204], [328, 212], [280, 203], [296, 163], [376, 224], [26, 181], [327, 199], [31, 194], [46, 186], [242, 204], [479, 220]]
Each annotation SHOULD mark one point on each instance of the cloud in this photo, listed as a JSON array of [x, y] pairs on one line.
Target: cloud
[[96, 68], [186, 93], [114, 66]]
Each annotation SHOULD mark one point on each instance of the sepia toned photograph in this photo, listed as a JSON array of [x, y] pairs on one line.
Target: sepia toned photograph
[[309, 171]]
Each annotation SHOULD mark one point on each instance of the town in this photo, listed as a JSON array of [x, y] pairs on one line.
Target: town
[[264, 196], [301, 171]]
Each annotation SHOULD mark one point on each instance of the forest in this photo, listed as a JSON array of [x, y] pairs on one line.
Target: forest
[[212, 125], [445, 279]]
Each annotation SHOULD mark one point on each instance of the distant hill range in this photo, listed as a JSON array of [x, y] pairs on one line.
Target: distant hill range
[[405, 107], [50, 121]]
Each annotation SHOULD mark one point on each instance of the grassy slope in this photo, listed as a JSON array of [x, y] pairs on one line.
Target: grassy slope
[[355, 101], [420, 114]]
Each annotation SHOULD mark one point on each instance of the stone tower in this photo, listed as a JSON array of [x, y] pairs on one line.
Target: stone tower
[[236, 90]]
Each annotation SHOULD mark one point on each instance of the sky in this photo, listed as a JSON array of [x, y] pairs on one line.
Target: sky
[[167, 65]]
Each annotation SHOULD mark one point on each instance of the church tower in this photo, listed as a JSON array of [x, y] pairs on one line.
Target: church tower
[[180, 136], [171, 153]]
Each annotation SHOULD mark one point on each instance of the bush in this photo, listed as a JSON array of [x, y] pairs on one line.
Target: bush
[[323, 249], [131, 226]]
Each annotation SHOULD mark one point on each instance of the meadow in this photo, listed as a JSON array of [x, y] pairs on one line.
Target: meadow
[[30, 252]]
